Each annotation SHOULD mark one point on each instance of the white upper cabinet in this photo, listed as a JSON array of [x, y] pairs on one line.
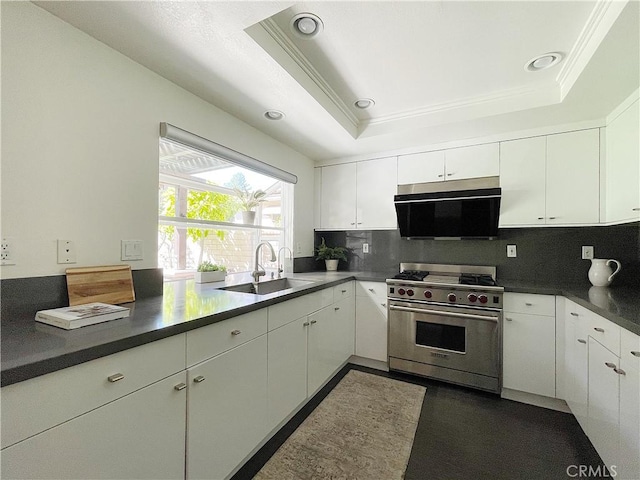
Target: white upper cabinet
[[359, 195], [551, 180], [573, 177], [453, 164], [472, 162], [622, 203], [421, 167], [522, 178]]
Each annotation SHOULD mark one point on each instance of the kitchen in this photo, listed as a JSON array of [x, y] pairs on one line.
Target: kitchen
[[97, 183]]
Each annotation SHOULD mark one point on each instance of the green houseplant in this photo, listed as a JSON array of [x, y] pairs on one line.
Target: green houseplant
[[248, 201], [210, 272], [330, 255]]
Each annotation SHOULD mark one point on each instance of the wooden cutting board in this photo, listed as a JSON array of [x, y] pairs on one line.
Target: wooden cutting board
[[111, 284]]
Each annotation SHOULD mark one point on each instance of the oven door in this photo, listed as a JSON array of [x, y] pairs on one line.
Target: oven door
[[460, 338]]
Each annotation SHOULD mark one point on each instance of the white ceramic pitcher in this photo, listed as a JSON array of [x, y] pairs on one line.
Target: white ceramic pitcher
[[600, 273]]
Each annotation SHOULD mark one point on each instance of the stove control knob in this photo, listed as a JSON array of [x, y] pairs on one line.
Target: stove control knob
[[410, 293], [451, 297], [427, 294], [401, 291], [472, 297], [482, 298]]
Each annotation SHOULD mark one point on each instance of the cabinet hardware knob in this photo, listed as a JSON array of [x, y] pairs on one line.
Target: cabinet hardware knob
[[635, 354], [116, 377], [440, 176], [336, 308], [540, 218], [352, 223], [359, 223], [199, 379], [619, 371], [552, 218], [582, 340], [449, 174], [508, 319], [598, 329], [371, 290], [343, 291], [305, 324], [574, 314], [384, 305], [313, 321], [528, 304], [637, 209], [610, 365], [180, 386], [236, 332]]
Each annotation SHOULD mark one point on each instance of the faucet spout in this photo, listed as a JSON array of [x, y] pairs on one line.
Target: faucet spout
[[280, 266], [258, 270]]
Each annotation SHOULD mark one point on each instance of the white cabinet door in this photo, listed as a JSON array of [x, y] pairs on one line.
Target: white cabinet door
[[623, 166], [376, 185], [287, 369], [522, 179], [141, 435], [629, 466], [603, 408], [421, 167], [338, 209], [345, 334], [529, 340], [322, 349], [472, 162], [573, 178], [227, 409], [576, 362], [371, 320]]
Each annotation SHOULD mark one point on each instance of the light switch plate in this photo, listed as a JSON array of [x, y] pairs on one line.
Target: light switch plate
[[365, 248], [130, 250], [511, 251]]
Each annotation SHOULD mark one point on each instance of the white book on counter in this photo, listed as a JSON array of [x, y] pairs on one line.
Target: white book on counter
[[81, 315]]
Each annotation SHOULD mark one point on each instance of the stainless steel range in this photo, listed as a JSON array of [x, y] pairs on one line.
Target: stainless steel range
[[445, 322]]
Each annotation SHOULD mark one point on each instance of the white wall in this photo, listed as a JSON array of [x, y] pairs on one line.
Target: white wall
[[80, 128]]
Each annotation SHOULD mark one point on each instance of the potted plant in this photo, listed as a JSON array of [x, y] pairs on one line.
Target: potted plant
[[210, 272], [331, 255], [248, 201]]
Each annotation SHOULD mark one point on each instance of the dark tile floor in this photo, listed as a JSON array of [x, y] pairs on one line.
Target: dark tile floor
[[466, 434]]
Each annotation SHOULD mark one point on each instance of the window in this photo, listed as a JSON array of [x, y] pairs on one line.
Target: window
[[202, 215]]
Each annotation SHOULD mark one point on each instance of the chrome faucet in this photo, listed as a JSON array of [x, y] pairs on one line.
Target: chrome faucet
[[258, 270], [280, 266]]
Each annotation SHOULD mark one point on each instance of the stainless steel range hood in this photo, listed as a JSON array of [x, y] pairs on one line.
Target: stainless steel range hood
[[454, 209]]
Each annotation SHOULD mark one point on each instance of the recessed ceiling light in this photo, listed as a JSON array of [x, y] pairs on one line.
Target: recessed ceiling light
[[363, 103], [306, 25], [542, 62], [274, 115]]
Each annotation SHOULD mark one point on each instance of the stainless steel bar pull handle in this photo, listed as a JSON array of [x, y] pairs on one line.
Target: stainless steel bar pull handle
[[343, 291], [236, 332], [635, 354], [313, 321], [598, 329], [540, 218], [610, 365], [508, 319], [619, 371], [180, 386], [116, 377], [637, 209], [581, 340], [336, 308], [528, 304], [574, 314], [305, 324], [425, 311], [371, 290], [384, 305], [199, 379]]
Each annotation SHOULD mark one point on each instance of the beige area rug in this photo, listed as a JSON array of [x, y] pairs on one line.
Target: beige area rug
[[363, 430]]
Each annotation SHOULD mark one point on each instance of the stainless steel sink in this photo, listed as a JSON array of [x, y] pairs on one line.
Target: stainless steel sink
[[268, 286]]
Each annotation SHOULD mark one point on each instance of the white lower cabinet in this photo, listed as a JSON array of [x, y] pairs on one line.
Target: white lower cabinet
[[629, 457], [529, 333], [141, 435], [576, 363], [227, 409], [371, 320]]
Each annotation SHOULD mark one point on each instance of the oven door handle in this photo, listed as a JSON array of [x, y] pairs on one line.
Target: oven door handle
[[444, 314]]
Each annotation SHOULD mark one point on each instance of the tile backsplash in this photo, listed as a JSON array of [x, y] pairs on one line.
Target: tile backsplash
[[543, 254]]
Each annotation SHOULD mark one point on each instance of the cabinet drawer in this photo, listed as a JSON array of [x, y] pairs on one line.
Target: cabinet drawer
[[343, 290], [286, 312], [376, 292], [40, 403], [630, 348], [209, 341], [530, 304], [605, 332]]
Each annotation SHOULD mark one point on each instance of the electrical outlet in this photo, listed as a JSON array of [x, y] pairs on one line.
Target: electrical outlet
[[6, 252], [131, 250], [298, 248], [587, 252], [66, 251], [511, 251], [365, 248]]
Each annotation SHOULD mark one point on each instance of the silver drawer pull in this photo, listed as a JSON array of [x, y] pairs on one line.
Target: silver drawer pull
[[574, 314], [635, 354], [384, 305], [199, 379], [305, 324], [343, 291], [637, 209], [180, 386], [337, 308], [116, 377], [313, 321], [440, 176], [552, 218], [619, 371], [236, 332], [528, 304], [610, 365], [508, 319], [371, 290], [598, 329], [540, 218], [581, 340]]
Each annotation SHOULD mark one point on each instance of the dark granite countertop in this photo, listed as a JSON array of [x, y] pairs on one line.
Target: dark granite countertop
[[30, 349]]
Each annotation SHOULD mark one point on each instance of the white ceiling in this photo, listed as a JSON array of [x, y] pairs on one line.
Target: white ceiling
[[438, 70]]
